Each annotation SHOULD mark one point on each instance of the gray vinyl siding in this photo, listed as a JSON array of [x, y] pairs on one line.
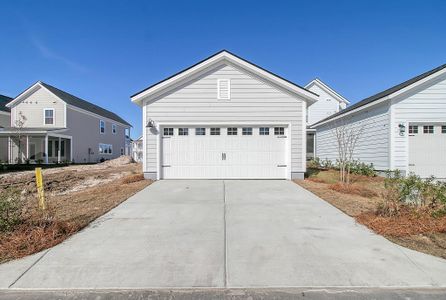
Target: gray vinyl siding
[[252, 100], [32, 107], [84, 129], [373, 144], [5, 121], [426, 104]]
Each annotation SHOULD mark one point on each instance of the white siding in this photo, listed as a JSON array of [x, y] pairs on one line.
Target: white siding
[[373, 144], [324, 107], [32, 107], [252, 101], [427, 104]]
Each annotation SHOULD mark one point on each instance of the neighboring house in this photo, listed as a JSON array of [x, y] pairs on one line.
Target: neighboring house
[[329, 103], [62, 127], [224, 117], [5, 120], [403, 128], [137, 149]]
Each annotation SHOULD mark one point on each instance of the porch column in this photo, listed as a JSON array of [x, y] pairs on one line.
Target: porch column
[[9, 150], [27, 147], [46, 149], [71, 150], [58, 152]]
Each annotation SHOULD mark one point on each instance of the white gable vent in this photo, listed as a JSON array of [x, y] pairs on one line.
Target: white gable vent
[[224, 89]]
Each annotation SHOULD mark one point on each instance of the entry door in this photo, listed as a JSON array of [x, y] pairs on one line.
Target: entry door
[[427, 150], [214, 152]]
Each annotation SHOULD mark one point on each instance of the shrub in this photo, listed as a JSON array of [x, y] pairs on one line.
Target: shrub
[[315, 163], [360, 168], [327, 164], [10, 209]]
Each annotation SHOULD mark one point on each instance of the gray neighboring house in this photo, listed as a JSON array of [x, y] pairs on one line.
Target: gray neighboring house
[[403, 127], [61, 127], [5, 121]]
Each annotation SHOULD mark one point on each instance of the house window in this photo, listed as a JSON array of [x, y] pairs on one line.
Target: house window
[[114, 128], [105, 149], [413, 129], [428, 129], [224, 89], [443, 129], [62, 148], [49, 116], [200, 131], [263, 131], [168, 131], [183, 131], [232, 131], [101, 126], [215, 131], [279, 131], [122, 151], [246, 131]]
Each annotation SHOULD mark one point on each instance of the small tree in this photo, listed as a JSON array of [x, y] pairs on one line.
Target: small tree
[[19, 124], [347, 136]]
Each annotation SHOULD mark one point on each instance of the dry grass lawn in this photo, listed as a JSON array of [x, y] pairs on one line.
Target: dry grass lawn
[[417, 230], [76, 195]]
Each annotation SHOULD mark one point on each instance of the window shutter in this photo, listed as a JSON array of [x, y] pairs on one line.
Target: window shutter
[[224, 89]]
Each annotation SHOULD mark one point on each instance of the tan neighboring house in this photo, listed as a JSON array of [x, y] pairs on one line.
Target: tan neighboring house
[[60, 127], [5, 121]]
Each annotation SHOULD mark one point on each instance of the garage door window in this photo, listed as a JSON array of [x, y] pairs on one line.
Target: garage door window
[[183, 131], [263, 131], [413, 129], [246, 131], [200, 131], [428, 129], [443, 129], [215, 131], [279, 131], [232, 131], [168, 131]]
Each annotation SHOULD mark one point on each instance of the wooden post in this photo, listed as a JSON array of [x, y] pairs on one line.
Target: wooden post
[[40, 192]]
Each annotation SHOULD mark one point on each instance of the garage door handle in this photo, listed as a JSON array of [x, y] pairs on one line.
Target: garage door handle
[[281, 137], [223, 156], [411, 165], [281, 166]]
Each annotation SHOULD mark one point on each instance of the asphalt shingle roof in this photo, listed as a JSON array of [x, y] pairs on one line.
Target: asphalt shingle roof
[[384, 93], [81, 103], [3, 101]]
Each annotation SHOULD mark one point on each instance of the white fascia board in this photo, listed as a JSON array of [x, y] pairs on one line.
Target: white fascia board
[[388, 97], [308, 96], [328, 89], [24, 94]]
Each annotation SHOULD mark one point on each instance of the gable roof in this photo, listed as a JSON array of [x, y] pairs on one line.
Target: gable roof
[[327, 89], [216, 59], [77, 102], [389, 92], [3, 101]]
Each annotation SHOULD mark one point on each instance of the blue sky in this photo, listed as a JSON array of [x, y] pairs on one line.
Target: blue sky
[[105, 51]]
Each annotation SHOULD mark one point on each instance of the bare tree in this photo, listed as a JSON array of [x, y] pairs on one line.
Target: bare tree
[[347, 136], [19, 124]]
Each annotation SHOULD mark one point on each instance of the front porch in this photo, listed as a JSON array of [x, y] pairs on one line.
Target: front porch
[[33, 146]]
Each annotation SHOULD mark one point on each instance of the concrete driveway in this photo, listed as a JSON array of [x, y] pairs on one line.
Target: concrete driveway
[[232, 233]]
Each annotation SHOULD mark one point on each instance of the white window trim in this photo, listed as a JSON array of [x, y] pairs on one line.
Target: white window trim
[[54, 117], [101, 121], [111, 147], [219, 97], [114, 129]]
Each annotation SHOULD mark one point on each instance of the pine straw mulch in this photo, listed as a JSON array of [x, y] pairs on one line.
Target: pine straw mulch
[[412, 228], [66, 215]]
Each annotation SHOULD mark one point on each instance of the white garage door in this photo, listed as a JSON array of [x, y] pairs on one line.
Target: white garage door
[[427, 150], [214, 152]]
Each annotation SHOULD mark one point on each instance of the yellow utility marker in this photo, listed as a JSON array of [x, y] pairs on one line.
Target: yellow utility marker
[[40, 192]]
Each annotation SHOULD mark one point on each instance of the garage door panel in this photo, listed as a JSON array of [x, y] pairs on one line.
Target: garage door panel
[[223, 156], [427, 150]]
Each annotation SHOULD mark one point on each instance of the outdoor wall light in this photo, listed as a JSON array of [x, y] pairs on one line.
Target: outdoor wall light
[[151, 123], [402, 128]]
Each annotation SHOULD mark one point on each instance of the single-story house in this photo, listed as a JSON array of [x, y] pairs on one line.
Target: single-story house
[[224, 117], [402, 128]]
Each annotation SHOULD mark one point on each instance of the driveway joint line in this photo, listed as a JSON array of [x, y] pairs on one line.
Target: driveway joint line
[[29, 268], [225, 243]]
